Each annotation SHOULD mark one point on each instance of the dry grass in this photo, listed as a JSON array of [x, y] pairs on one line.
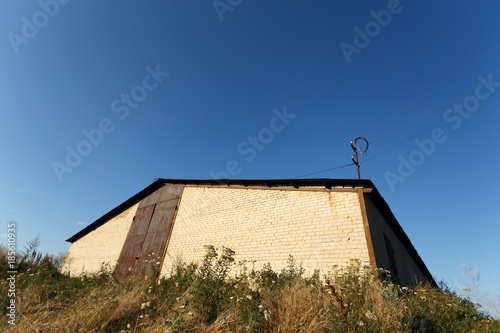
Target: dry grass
[[95, 312], [201, 299], [297, 308]]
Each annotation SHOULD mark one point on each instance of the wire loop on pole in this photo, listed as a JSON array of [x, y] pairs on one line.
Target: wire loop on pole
[[354, 146]]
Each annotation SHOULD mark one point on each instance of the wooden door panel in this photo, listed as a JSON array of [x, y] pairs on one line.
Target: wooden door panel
[[141, 222], [162, 218], [149, 232]]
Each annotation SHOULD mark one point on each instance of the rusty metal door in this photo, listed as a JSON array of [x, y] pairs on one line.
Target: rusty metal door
[[147, 239]]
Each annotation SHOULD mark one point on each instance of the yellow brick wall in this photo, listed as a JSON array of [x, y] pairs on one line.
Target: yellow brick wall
[[102, 245], [319, 228]]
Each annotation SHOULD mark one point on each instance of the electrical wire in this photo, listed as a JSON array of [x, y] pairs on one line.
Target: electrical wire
[[410, 137], [428, 92], [313, 173], [414, 121], [411, 123], [427, 114], [425, 129]]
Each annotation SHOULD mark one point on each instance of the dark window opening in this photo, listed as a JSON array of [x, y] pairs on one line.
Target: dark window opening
[[392, 260]]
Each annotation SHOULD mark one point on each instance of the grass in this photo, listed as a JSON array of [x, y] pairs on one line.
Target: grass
[[205, 297]]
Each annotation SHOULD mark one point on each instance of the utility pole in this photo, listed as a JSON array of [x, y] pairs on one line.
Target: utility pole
[[355, 157]]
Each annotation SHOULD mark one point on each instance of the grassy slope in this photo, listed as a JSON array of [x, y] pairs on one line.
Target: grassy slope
[[203, 298]]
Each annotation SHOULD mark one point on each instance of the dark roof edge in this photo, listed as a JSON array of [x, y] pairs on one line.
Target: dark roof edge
[[327, 182], [158, 183], [117, 210], [384, 208]]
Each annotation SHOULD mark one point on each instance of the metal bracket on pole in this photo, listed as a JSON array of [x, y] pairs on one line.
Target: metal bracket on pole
[[355, 157]]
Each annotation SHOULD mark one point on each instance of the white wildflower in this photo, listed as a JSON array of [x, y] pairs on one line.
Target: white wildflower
[[423, 297], [178, 299], [360, 323], [177, 284], [267, 314], [231, 297], [128, 326], [141, 316], [370, 315], [261, 306], [191, 314], [249, 296], [182, 306]]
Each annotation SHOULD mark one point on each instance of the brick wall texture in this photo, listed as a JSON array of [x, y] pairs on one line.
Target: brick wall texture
[[319, 229], [103, 245]]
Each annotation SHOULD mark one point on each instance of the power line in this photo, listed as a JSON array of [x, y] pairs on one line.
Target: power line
[[313, 173], [414, 121], [428, 92], [427, 114], [410, 137], [425, 129]]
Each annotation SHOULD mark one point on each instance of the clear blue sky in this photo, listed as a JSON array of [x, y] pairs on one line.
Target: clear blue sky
[[72, 66]]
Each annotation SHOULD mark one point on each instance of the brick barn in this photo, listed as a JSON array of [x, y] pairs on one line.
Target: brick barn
[[320, 222]]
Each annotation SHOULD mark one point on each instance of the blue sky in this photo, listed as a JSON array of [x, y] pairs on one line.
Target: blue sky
[[74, 67]]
